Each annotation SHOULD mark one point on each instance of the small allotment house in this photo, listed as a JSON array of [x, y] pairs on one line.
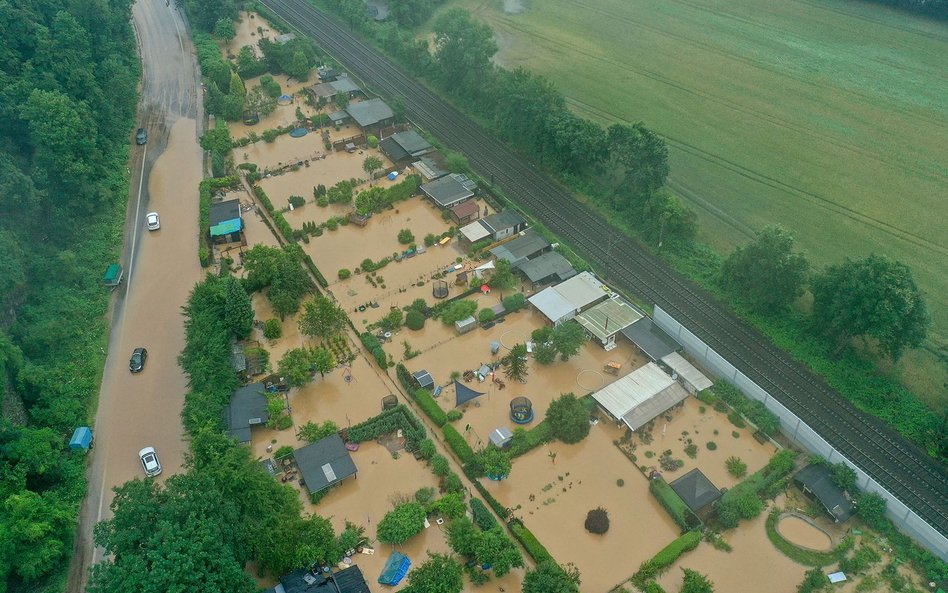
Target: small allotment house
[[324, 463], [226, 222], [697, 491], [405, 146], [567, 299], [816, 481], [608, 318], [640, 396], [247, 408], [520, 249], [450, 190], [371, 115], [546, 268]]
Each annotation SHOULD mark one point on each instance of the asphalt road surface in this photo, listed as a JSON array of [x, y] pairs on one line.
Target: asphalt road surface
[[139, 410]]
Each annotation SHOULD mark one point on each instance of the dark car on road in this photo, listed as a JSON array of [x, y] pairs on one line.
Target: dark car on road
[[137, 362], [141, 136]]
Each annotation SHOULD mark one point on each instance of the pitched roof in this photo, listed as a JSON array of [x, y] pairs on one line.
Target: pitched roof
[[348, 580], [224, 211], [818, 479], [369, 113], [696, 490], [247, 407], [466, 209], [499, 221], [640, 396], [450, 189], [687, 371], [428, 168], [412, 142], [522, 248], [545, 265], [424, 378], [572, 295], [650, 338], [324, 463]]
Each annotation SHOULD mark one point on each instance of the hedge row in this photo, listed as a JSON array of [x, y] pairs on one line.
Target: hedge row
[[206, 191], [525, 440], [764, 483], [483, 518], [667, 556], [500, 509], [796, 553], [457, 443], [429, 406], [753, 410], [388, 421], [675, 506], [372, 344], [404, 377], [530, 542]]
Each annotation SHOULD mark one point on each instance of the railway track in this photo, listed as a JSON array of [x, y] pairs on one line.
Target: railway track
[[917, 480]]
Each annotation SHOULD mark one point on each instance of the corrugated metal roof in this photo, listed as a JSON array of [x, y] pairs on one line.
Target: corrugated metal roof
[[474, 231], [545, 265], [687, 371], [552, 304], [634, 389]]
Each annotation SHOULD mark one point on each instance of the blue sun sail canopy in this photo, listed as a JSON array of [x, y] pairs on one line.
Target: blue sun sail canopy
[[463, 393]]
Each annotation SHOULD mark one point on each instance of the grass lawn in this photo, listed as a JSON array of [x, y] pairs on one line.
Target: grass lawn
[[829, 117]]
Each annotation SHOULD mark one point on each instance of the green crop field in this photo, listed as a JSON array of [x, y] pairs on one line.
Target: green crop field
[[828, 117]]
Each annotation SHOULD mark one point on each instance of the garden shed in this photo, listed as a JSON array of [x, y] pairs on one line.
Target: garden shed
[[816, 480], [372, 114], [247, 408], [693, 379], [329, 90], [449, 190], [697, 491], [225, 221], [324, 463], [423, 379], [402, 146], [547, 267], [500, 437], [466, 212], [608, 318], [521, 249], [465, 325], [640, 396]]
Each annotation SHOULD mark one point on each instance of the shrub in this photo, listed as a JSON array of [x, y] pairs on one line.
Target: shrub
[[691, 450], [673, 503], [344, 273], [426, 448], [283, 451], [372, 344], [530, 543], [400, 524], [568, 418], [736, 420], [414, 320], [389, 421], [736, 467], [272, 329], [514, 302], [458, 444], [667, 556], [424, 495], [297, 201], [485, 315], [743, 501], [796, 553], [455, 415], [620, 482], [405, 236], [711, 446], [452, 483], [597, 521], [457, 311], [524, 440], [440, 465]]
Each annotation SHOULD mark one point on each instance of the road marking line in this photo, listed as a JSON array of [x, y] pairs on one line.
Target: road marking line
[[138, 207]]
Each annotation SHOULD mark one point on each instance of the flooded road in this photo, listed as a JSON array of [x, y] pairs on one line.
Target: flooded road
[[135, 411]]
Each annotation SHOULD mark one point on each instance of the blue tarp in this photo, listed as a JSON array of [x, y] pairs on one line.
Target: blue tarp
[[391, 176], [395, 569], [463, 393], [81, 438]]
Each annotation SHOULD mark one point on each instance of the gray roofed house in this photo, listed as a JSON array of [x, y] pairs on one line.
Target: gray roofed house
[[371, 114], [329, 90], [338, 118], [503, 224], [650, 339], [224, 211], [817, 479], [247, 408], [450, 190], [429, 169], [696, 490], [423, 378], [519, 250], [608, 318], [348, 580], [405, 145], [324, 463], [547, 267]]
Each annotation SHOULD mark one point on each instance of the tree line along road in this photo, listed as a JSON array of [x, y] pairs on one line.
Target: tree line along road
[[916, 479]]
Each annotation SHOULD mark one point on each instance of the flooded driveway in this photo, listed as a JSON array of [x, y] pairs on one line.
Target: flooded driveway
[[135, 411]]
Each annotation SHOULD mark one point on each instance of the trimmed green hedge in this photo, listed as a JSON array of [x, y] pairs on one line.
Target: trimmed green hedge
[[667, 556], [372, 344], [675, 506], [764, 483], [430, 407], [457, 443], [388, 421], [494, 504], [524, 440], [530, 542], [483, 518], [796, 553]]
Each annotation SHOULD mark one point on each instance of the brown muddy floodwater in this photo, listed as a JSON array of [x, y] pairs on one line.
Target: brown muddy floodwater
[[802, 533], [336, 167]]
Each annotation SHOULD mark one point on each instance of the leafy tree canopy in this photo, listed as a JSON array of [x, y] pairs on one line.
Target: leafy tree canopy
[[766, 273], [549, 577], [438, 574], [568, 418]]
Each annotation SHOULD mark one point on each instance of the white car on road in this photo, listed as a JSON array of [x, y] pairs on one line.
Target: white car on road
[[150, 462], [152, 221]]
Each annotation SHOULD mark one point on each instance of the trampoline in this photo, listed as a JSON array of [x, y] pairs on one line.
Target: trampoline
[[298, 132], [440, 289], [521, 410]]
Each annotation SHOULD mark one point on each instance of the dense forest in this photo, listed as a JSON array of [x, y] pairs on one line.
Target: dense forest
[[623, 169], [68, 75]]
